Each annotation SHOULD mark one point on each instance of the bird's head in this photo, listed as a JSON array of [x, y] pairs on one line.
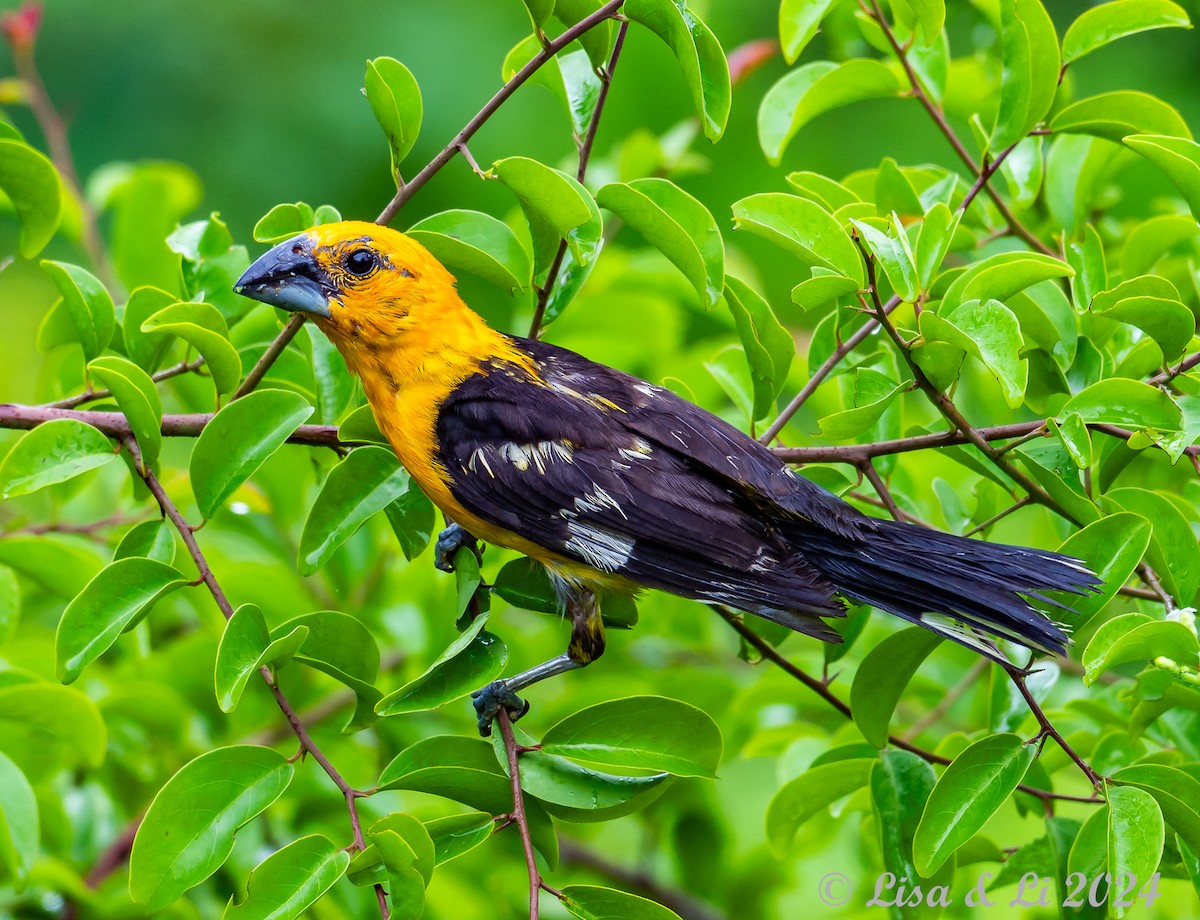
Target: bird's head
[[360, 282]]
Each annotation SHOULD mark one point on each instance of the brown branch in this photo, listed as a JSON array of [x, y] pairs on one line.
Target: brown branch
[[999, 516], [270, 356], [943, 126], [585, 153], [821, 688], [1018, 677], [823, 371], [513, 750], [171, 511], [885, 494], [1184, 366], [549, 49], [184, 367]]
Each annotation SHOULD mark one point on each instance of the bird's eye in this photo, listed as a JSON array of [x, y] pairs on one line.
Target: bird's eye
[[361, 262]]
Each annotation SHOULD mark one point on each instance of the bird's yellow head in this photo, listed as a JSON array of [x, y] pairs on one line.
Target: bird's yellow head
[[362, 283]]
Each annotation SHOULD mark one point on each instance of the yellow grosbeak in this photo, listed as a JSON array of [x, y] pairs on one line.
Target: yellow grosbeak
[[613, 482]]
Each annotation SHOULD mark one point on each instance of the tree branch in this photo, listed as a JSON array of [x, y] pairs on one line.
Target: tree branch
[[551, 48], [171, 511], [513, 750], [270, 356], [939, 119], [184, 367], [585, 153], [821, 688]]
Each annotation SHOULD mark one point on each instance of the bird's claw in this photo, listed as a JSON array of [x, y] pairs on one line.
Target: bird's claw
[[491, 699], [449, 542]]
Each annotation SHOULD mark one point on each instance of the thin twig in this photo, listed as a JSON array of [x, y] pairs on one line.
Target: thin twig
[[172, 512], [1184, 366], [270, 356], [1047, 728], [999, 516], [822, 690], [585, 153], [536, 883], [885, 494], [551, 48], [953, 695], [823, 371], [939, 119], [183, 367]]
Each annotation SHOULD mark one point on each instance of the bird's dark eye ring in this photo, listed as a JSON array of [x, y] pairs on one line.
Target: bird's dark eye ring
[[361, 262]]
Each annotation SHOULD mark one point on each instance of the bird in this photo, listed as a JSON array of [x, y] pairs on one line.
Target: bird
[[614, 483]]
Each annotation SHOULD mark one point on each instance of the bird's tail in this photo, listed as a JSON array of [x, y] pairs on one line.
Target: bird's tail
[[966, 590]]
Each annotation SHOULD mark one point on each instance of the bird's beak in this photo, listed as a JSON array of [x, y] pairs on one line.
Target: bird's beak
[[288, 277]]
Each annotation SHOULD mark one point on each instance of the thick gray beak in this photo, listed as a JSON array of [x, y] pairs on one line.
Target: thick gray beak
[[288, 277]]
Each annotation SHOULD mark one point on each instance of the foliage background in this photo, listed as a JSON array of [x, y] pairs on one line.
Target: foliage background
[[260, 100]]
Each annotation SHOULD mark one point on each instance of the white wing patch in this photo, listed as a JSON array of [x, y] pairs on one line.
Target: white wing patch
[[522, 456], [599, 548]]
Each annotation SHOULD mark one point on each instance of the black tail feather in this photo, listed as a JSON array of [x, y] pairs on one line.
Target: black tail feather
[[966, 590]]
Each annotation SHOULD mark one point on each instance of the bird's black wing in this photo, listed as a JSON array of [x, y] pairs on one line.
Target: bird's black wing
[[602, 468]]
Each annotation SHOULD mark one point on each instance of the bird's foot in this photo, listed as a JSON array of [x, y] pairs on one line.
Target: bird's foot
[[449, 542], [491, 699]]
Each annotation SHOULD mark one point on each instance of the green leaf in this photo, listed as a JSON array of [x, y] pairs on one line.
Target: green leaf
[[115, 600], [152, 539], [677, 225], [342, 647], [798, 23], [972, 789], [477, 243], [239, 439], [469, 662], [245, 647], [363, 484], [88, 304], [882, 677], [1177, 794], [203, 327], [289, 881], [146, 351], [830, 195], [873, 393], [810, 793], [575, 793], [10, 604], [135, 393], [31, 183], [1136, 637], [596, 41], [1150, 239], [820, 290], [1100, 25], [465, 770], [1178, 158], [1174, 553], [525, 583], [569, 76], [1135, 836], [53, 452], [814, 89], [901, 783], [1114, 116], [45, 728], [802, 228], [933, 242], [416, 838], [396, 101], [283, 222], [989, 331], [893, 253], [1111, 547], [1118, 401], [19, 830], [591, 902], [553, 199], [643, 732], [59, 564], [458, 834], [360, 426], [411, 517], [698, 52], [769, 346], [539, 11], [1000, 276], [188, 829], [1031, 65], [1167, 321], [336, 387]]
